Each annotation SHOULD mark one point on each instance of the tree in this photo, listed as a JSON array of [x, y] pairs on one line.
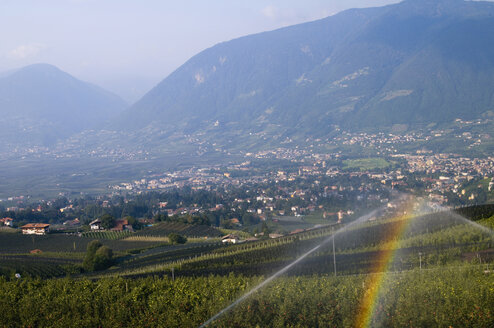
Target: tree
[[98, 257], [136, 225], [249, 219], [175, 238], [92, 247], [103, 258], [162, 217], [107, 221], [265, 229]]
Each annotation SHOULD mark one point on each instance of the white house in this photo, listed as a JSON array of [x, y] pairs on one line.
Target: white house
[[96, 225], [7, 222], [35, 229], [231, 239]]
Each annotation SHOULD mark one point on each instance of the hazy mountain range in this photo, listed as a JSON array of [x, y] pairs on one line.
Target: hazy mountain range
[[40, 104], [409, 64], [416, 62]]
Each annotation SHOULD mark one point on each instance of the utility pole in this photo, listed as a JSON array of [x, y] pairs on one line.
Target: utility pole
[[420, 260], [173, 274], [334, 258]]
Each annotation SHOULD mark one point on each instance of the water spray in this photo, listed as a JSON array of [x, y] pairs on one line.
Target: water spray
[[289, 266]]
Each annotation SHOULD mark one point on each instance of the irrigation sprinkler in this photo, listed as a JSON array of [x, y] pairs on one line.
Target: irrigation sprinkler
[[288, 267]]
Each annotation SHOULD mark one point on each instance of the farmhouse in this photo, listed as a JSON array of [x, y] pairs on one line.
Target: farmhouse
[[35, 229], [7, 222], [121, 225], [230, 239], [235, 221], [96, 225], [72, 223]]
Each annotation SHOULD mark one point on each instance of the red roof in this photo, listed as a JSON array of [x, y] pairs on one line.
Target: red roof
[[35, 225]]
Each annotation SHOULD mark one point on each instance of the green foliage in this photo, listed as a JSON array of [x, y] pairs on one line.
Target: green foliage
[[136, 225], [98, 257], [161, 217], [107, 221], [103, 258], [110, 235], [176, 238], [457, 297], [489, 222]]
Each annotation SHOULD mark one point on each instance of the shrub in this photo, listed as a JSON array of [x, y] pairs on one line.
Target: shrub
[[175, 238]]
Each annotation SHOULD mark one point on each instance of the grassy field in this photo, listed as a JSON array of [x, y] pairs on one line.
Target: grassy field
[[365, 164]]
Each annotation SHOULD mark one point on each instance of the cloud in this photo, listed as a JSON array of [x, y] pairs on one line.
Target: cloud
[[270, 12], [26, 51]]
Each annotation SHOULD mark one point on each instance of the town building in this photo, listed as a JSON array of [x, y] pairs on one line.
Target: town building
[[9, 222]]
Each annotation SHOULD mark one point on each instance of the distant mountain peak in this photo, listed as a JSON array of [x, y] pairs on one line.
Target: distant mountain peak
[[40, 103], [42, 69], [41, 66]]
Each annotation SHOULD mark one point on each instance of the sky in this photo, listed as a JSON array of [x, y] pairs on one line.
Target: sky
[[128, 46]]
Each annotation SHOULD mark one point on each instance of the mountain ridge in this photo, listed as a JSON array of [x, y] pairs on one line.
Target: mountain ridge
[[41, 104], [400, 64]]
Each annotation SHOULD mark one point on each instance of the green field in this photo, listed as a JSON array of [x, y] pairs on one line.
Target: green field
[[365, 164]]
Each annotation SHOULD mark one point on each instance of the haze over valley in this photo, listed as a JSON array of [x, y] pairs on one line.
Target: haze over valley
[[247, 165]]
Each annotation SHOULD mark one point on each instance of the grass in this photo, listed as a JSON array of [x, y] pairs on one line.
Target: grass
[[365, 164]]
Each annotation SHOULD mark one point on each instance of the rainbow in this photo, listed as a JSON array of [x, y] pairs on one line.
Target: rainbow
[[375, 282]]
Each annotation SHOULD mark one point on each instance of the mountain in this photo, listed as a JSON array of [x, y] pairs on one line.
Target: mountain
[[410, 64], [40, 104]]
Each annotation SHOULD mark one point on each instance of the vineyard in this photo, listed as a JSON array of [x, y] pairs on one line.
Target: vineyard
[[456, 297], [110, 235], [21, 244], [35, 266], [55, 254], [429, 241], [450, 258], [165, 228]]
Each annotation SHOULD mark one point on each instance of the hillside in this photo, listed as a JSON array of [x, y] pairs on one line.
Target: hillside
[[414, 63], [40, 104]]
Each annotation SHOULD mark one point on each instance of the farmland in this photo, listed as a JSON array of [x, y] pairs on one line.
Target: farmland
[[388, 253], [165, 228], [447, 297], [59, 254]]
